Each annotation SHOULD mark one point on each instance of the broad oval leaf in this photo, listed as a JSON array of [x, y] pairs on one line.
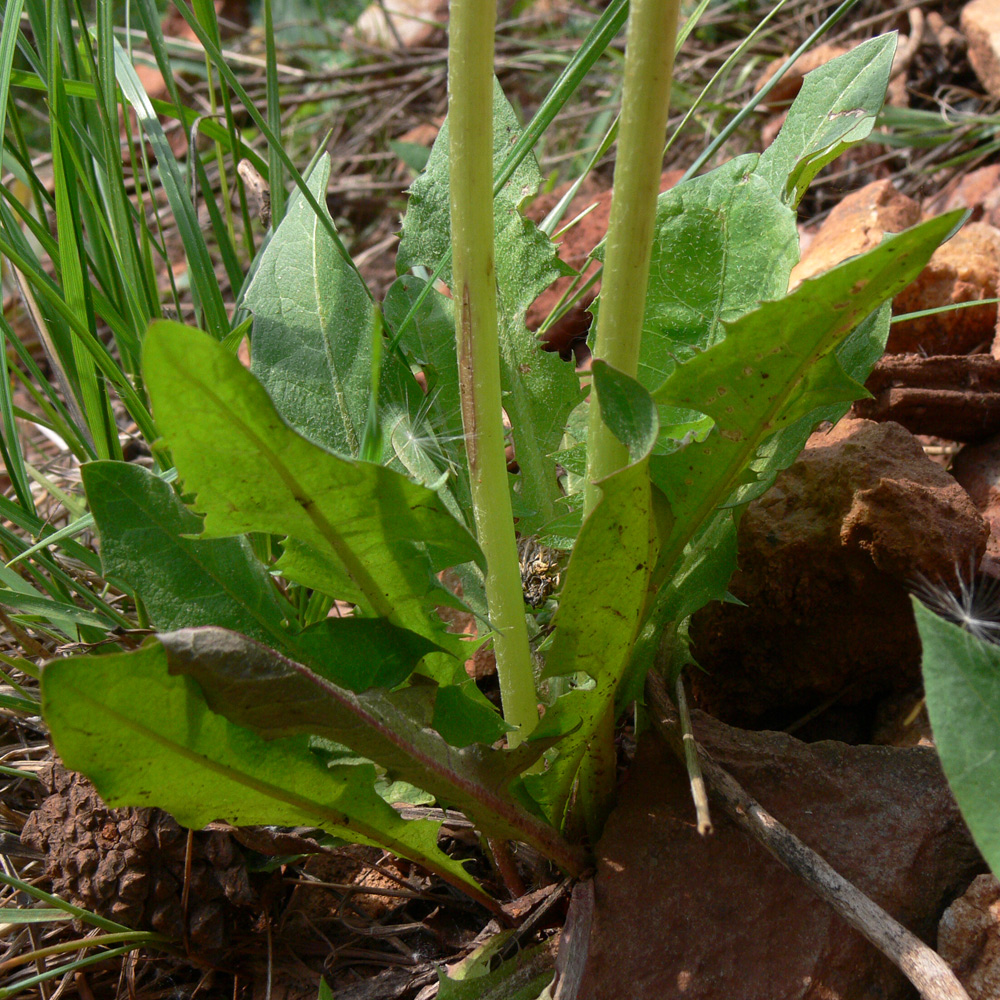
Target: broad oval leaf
[[835, 109], [962, 686], [723, 242], [312, 328]]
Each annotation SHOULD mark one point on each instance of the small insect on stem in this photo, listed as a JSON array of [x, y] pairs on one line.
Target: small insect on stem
[[540, 570], [258, 191]]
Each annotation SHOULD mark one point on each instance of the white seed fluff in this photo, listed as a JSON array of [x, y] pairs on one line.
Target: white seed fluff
[[975, 606]]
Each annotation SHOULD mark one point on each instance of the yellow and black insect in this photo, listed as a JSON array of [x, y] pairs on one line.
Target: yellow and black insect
[[540, 570]]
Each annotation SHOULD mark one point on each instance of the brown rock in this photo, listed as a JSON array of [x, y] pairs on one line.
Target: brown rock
[[576, 245], [965, 269], [979, 191], [951, 396], [790, 84], [942, 34], [683, 917], [401, 23], [857, 224], [825, 557], [981, 24], [969, 938], [977, 469]]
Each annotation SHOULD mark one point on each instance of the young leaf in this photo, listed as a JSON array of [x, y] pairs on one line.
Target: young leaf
[[835, 109], [539, 388], [146, 737], [379, 535], [312, 347], [431, 442], [962, 685], [522, 977], [182, 581]]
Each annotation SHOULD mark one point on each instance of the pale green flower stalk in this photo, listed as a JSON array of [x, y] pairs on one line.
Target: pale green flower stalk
[[649, 63], [470, 123]]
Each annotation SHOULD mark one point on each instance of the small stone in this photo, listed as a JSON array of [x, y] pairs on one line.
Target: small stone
[[981, 24], [406, 23], [790, 84], [979, 191], [977, 469], [857, 224], [969, 938], [965, 269]]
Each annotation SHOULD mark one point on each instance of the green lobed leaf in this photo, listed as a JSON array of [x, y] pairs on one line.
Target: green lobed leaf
[[381, 536], [147, 738], [776, 366], [835, 109], [182, 581], [539, 388], [723, 242], [257, 688], [857, 356], [187, 582], [962, 687]]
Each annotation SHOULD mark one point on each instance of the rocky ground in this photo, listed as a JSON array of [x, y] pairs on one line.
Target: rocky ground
[[810, 694]]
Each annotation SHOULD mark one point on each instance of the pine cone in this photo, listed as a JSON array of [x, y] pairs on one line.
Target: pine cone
[[128, 865]]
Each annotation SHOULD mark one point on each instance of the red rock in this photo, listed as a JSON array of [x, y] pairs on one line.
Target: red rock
[[981, 24], [683, 917], [979, 191], [945, 397], [969, 938], [575, 247], [825, 557], [965, 269], [857, 224], [977, 469], [790, 84]]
